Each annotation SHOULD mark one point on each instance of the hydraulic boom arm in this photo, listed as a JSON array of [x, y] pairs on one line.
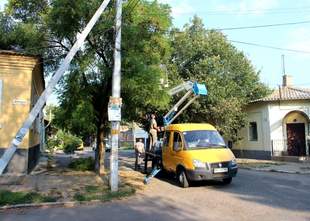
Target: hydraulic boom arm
[[194, 90]]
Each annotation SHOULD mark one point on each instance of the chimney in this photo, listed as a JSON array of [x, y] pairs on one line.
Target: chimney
[[287, 81]]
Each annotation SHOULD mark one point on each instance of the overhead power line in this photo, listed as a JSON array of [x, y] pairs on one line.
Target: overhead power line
[[271, 47], [255, 10], [263, 26]]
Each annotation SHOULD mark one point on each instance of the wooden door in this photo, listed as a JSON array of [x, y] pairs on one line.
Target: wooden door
[[296, 143]]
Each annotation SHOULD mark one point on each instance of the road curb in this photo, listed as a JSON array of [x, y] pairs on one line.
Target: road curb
[[50, 204], [274, 170]]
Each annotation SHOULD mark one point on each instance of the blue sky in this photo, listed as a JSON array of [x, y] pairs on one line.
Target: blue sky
[[235, 13]]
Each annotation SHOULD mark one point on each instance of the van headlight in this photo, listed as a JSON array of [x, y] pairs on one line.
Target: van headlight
[[199, 164], [234, 162]]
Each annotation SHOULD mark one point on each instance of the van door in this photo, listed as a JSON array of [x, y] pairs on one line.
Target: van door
[[166, 150], [176, 153]]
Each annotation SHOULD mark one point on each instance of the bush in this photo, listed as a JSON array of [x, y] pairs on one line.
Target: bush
[[83, 164], [64, 141], [71, 143]]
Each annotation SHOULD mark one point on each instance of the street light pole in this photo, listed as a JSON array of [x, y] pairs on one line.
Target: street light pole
[[115, 101]]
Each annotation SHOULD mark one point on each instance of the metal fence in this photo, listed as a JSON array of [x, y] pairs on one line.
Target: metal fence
[[279, 147]]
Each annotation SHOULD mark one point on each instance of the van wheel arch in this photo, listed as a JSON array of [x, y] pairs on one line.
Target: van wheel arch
[[181, 176]]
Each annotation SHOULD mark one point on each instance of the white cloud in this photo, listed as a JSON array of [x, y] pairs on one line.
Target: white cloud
[[184, 8], [258, 7], [179, 8]]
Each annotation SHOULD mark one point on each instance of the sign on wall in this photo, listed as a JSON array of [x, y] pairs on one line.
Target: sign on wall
[[20, 102]]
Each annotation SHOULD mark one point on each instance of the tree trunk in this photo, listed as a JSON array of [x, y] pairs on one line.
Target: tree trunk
[[101, 105], [100, 150]]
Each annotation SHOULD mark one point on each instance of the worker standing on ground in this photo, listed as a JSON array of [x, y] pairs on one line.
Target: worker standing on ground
[[139, 151], [153, 132]]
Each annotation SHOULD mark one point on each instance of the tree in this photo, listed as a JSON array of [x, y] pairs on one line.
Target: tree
[[206, 56], [86, 88]]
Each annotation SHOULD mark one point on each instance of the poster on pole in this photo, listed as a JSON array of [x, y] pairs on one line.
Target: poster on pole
[[114, 109]]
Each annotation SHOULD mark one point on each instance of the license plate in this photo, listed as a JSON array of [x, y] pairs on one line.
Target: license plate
[[220, 170]]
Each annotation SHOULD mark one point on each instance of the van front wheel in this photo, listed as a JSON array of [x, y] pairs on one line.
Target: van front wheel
[[182, 179]]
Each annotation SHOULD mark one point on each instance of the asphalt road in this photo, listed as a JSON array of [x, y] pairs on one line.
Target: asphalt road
[[251, 196]]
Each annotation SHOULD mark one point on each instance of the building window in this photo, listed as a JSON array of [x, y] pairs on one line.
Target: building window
[[253, 131]]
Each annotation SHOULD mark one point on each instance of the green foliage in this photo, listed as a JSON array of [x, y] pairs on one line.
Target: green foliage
[[27, 11], [10, 198], [206, 56], [85, 91], [79, 121], [21, 36], [64, 141], [71, 143], [50, 29], [83, 164]]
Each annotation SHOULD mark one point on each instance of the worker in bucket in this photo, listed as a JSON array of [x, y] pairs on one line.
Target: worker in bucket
[[139, 151], [153, 132]]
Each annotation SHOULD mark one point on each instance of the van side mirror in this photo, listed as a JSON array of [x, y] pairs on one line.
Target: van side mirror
[[230, 144]]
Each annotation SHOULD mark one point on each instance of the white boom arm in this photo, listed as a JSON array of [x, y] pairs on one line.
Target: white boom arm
[[194, 90]]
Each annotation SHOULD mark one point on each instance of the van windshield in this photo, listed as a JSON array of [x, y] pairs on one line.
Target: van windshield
[[201, 139]]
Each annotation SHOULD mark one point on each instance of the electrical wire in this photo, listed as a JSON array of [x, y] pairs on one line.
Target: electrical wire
[[257, 10], [271, 47], [263, 26]]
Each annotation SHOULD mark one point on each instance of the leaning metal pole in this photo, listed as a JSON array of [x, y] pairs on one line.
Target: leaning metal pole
[[8, 154], [115, 100]]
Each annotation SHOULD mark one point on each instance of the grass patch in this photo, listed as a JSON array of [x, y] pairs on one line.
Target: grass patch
[[11, 198], [103, 193], [127, 148], [127, 145], [83, 164]]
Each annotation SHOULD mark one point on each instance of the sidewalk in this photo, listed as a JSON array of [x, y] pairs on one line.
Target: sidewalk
[[67, 186], [274, 166]]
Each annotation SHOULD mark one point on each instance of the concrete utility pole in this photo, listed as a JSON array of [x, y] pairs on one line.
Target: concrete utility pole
[[283, 64], [115, 101], [8, 154]]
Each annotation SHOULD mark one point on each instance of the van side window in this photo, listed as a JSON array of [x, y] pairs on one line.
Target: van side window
[[177, 141], [166, 139]]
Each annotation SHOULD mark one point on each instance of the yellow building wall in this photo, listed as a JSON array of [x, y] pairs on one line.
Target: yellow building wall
[[16, 75]]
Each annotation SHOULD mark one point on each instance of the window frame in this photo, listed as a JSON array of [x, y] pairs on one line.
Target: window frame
[[253, 131], [173, 143], [166, 139]]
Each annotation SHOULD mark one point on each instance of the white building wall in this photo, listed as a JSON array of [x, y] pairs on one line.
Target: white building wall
[[256, 113], [277, 112]]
